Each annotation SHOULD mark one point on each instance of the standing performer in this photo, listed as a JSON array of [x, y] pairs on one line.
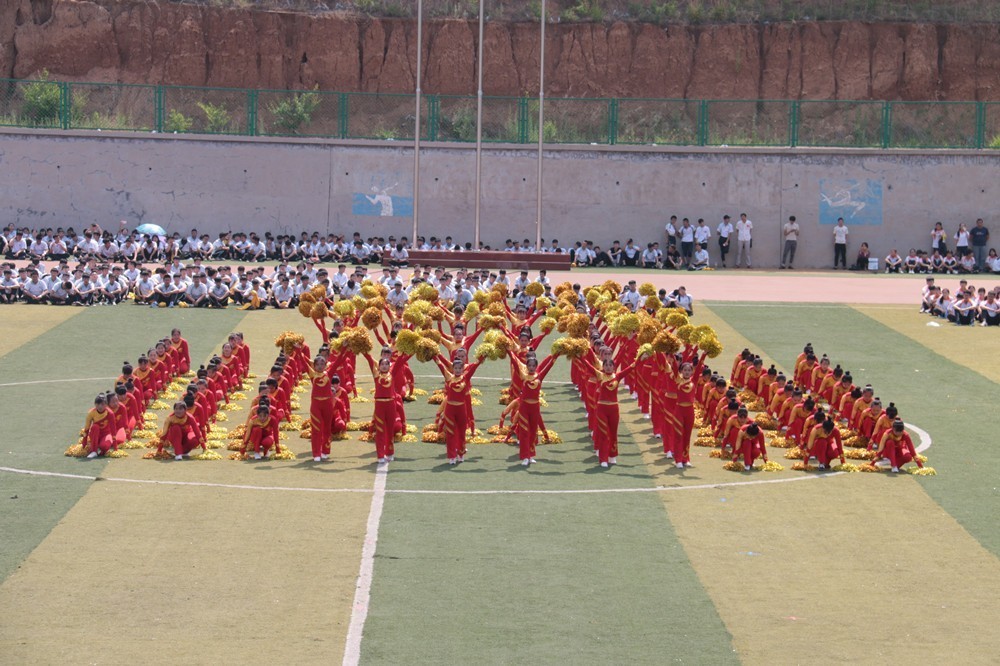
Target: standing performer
[[529, 416], [607, 416], [457, 389], [683, 384], [386, 421], [321, 407], [180, 345]]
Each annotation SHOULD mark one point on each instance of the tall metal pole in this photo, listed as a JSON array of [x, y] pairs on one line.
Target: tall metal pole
[[541, 130], [479, 125], [416, 130]]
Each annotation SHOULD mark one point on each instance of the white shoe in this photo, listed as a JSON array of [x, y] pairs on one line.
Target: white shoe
[[92, 454], [604, 464], [634, 395], [461, 459], [822, 466], [895, 469], [451, 461], [746, 468], [613, 461], [390, 458], [256, 456], [680, 465], [381, 461], [525, 462], [323, 456], [646, 416], [532, 460], [317, 459], [178, 457], [687, 464], [658, 436], [670, 455]]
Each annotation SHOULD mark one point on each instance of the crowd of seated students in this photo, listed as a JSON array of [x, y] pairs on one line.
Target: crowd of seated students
[[967, 306]]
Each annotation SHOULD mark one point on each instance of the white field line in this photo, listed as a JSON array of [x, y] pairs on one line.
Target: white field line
[[59, 381], [363, 588]]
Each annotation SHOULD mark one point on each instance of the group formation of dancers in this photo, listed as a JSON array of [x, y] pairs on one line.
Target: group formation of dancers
[[820, 411], [654, 352]]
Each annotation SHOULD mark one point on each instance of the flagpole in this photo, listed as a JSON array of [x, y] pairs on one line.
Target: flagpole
[[541, 130], [479, 126], [416, 130]]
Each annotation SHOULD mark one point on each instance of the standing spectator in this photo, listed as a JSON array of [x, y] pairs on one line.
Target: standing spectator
[[686, 232], [962, 241], [980, 235], [840, 233], [744, 240], [671, 230], [791, 234], [725, 230], [939, 239], [702, 234]]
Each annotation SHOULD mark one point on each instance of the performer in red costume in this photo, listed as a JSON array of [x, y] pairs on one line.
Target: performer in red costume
[[180, 346], [321, 407], [681, 381], [528, 419], [824, 443], [897, 447], [99, 429], [261, 433], [387, 420], [455, 417], [606, 381], [749, 443], [180, 432]]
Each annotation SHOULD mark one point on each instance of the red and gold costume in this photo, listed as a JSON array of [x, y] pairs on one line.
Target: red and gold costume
[[99, 431]]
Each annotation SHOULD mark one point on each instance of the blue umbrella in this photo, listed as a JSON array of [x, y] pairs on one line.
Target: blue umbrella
[[151, 230]]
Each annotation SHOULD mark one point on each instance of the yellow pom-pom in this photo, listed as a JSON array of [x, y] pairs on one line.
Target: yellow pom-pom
[[344, 308], [471, 311], [666, 342], [710, 345], [924, 471], [534, 289], [771, 466], [647, 289], [76, 451], [677, 319], [284, 454], [318, 311], [644, 350], [571, 347], [207, 455], [118, 454], [371, 318], [795, 453], [734, 466], [803, 467], [716, 453], [547, 324]]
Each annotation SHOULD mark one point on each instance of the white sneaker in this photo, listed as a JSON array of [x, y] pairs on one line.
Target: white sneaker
[[746, 468], [680, 465], [317, 459], [895, 469], [613, 461], [646, 416], [461, 459], [687, 464], [390, 458], [178, 457], [658, 436], [822, 466], [256, 456], [532, 460], [634, 395], [525, 461], [604, 464], [381, 461], [451, 461], [92, 454], [670, 455], [323, 456]]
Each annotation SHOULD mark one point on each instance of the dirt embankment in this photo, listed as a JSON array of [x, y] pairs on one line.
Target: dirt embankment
[[149, 42]]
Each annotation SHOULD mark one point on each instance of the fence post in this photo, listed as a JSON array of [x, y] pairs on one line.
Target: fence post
[[251, 113], [65, 106], [522, 120], [342, 114], [612, 121], [703, 122], [793, 119], [158, 103], [886, 124], [980, 125], [433, 117]]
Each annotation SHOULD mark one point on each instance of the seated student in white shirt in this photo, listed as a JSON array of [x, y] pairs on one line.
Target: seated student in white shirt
[[196, 295], [64, 293], [17, 248], [967, 264], [34, 290], [113, 292], [520, 283], [283, 295], [649, 258], [166, 292], [893, 262], [38, 248], [683, 300], [399, 256], [145, 288], [87, 289], [218, 293], [631, 297], [700, 260], [989, 310], [10, 288]]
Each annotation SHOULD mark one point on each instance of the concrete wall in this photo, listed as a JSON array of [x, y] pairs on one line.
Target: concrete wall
[[595, 192]]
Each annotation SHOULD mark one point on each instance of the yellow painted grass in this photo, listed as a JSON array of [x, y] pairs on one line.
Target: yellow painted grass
[[157, 574], [22, 323], [974, 347]]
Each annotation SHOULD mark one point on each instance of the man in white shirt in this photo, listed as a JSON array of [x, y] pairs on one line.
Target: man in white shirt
[[144, 289], [218, 295], [10, 288], [700, 260], [686, 233], [18, 247], [196, 294], [702, 234], [282, 295], [34, 290], [649, 258], [744, 240], [671, 230], [840, 233], [684, 300], [38, 248], [87, 290], [725, 230], [520, 283], [790, 232], [396, 296], [631, 297]]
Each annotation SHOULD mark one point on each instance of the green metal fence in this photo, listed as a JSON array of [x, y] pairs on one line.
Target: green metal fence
[[671, 122]]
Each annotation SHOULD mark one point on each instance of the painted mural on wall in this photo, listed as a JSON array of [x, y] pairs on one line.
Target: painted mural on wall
[[384, 199], [859, 202]]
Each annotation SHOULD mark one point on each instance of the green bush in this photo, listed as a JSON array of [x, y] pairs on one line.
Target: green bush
[[291, 113], [217, 118], [41, 102], [177, 122]]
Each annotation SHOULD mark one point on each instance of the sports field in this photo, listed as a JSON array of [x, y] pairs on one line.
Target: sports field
[[142, 561]]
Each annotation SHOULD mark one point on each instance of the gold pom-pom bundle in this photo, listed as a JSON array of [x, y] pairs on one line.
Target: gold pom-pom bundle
[[710, 345], [238, 396], [432, 437], [666, 342], [647, 289], [766, 422], [771, 466], [228, 407], [644, 350], [159, 405], [553, 438], [706, 441], [716, 453], [305, 307], [284, 454], [624, 325], [344, 308], [535, 289], [803, 467], [652, 303], [118, 454], [133, 444], [705, 431], [733, 466], [221, 417], [157, 455], [356, 340], [471, 311], [570, 347], [207, 455], [547, 324], [675, 318], [859, 454], [436, 398], [359, 399], [424, 292], [240, 456], [406, 341], [795, 453], [427, 349], [407, 439], [577, 325], [371, 318], [319, 311], [780, 442], [76, 451], [924, 471], [489, 351], [848, 467], [497, 430]]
